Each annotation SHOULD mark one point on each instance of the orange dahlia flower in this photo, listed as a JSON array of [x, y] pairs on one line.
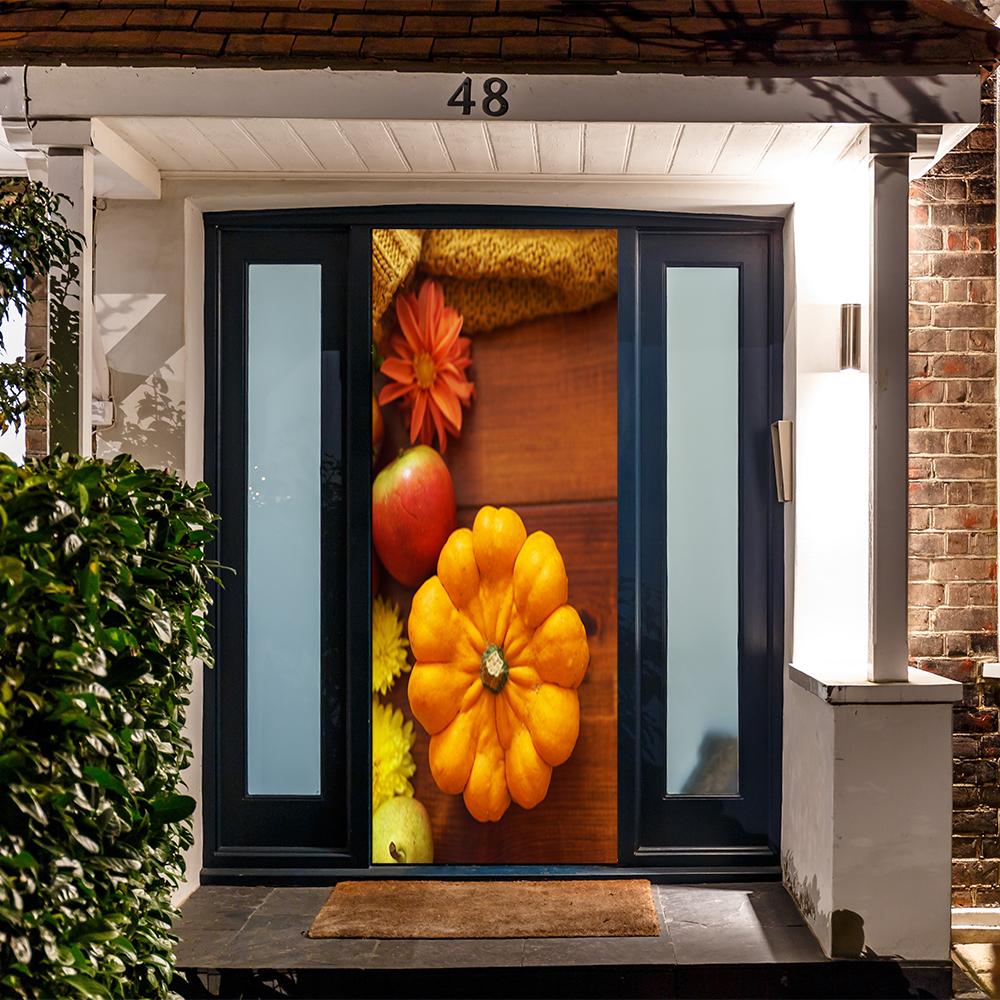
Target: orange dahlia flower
[[426, 365]]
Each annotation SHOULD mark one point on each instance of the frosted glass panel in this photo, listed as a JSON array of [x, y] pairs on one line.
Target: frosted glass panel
[[702, 530], [283, 529]]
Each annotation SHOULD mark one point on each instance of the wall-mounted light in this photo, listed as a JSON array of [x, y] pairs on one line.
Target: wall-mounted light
[[850, 336]]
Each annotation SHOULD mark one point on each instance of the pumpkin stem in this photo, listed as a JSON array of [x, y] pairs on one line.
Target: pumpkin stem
[[494, 669]]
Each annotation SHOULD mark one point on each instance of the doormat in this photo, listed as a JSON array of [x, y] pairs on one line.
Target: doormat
[[607, 908]]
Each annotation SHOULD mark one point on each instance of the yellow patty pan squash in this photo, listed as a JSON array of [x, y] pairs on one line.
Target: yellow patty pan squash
[[499, 655]]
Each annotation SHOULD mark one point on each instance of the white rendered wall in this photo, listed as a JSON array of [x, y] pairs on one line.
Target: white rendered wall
[[866, 831], [892, 825], [149, 285]]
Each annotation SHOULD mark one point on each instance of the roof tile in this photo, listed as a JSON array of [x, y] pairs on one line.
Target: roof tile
[[298, 21], [536, 35]]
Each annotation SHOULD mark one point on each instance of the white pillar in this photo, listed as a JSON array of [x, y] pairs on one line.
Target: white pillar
[[72, 335], [888, 374]]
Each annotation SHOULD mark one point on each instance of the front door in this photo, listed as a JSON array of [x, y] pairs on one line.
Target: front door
[[547, 605]]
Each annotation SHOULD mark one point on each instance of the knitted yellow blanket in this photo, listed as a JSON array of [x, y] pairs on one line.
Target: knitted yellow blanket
[[497, 277]]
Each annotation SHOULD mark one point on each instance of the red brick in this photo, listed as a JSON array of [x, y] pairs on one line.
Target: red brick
[[930, 189], [926, 238], [965, 847], [975, 721], [920, 416], [925, 291], [964, 314], [968, 417], [926, 595], [928, 340], [965, 619], [958, 545], [943, 570], [982, 290], [927, 442], [926, 645], [926, 391], [957, 644], [963, 366], [926, 544], [959, 493], [982, 238], [927, 494], [957, 240], [956, 290]]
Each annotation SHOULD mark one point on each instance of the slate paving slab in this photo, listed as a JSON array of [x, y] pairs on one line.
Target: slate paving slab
[[712, 939]]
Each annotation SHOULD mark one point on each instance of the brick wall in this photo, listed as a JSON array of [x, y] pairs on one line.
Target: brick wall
[[36, 344], [953, 504]]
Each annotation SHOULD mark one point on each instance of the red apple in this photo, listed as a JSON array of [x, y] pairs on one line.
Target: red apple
[[413, 513]]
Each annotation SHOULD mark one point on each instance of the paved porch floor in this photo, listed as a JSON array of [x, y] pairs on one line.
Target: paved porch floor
[[715, 940]]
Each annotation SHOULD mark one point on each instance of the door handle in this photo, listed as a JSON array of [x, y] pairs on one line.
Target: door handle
[[781, 447]]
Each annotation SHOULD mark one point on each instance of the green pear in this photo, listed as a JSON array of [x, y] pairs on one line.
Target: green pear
[[401, 833]]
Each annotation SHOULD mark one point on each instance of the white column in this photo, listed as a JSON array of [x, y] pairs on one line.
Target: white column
[[888, 374], [72, 336]]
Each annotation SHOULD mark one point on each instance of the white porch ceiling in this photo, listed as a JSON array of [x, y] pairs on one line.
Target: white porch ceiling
[[283, 146]]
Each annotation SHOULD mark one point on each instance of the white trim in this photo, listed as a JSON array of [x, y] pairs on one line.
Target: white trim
[[126, 158], [934, 97], [975, 924], [464, 178], [920, 687]]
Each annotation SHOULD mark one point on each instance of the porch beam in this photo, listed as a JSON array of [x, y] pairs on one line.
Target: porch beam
[[41, 92], [888, 370], [72, 334]]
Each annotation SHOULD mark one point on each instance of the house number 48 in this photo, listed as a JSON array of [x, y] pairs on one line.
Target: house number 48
[[494, 103]]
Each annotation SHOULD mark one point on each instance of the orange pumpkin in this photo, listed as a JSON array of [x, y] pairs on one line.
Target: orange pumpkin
[[499, 657]]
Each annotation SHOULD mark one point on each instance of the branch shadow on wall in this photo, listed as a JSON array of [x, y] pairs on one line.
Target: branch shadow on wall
[[152, 430]]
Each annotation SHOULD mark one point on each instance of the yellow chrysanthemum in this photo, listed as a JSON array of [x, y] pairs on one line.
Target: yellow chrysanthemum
[[388, 646], [392, 761]]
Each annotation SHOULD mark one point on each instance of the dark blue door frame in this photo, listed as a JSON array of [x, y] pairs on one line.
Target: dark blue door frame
[[727, 840]]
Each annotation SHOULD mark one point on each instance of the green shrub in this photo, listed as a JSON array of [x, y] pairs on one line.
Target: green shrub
[[102, 600]]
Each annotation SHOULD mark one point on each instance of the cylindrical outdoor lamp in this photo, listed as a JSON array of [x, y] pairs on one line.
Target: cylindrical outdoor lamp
[[850, 336]]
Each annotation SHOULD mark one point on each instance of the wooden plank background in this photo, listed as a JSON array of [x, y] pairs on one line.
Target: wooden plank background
[[541, 437]]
